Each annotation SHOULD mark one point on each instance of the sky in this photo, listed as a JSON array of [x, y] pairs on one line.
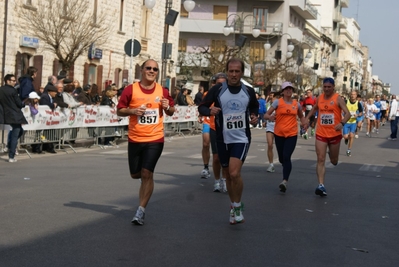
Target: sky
[[379, 31]]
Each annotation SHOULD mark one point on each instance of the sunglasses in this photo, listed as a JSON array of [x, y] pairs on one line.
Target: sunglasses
[[152, 68]]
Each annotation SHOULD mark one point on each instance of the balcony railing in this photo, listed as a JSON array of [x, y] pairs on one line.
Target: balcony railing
[[311, 9], [337, 17]]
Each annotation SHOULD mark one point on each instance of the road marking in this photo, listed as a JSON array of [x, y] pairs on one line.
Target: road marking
[[196, 156], [328, 165], [115, 152], [371, 167]]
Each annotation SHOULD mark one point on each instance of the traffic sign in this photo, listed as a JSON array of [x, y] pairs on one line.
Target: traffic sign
[[136, 47]]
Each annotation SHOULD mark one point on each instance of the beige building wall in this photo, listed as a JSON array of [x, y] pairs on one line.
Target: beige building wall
[[115, 64]]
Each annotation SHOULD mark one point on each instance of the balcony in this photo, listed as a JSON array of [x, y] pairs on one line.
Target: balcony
[[296, 34], [345, 3], [337, 17], [344, 23], [342, 43], [304, 8], [202, 25]]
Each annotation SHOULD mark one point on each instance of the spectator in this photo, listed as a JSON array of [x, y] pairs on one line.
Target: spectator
[[94, 95], [47, 99], [33, 103], [41, 90], [68, 96], [262, 111], [12, 114], [77, 89], [84, 96], [59, 99], [199, 95], [175, 95], [189, 99], [181, 99], [26, 83], [107, 100], [120, 90], [51, 81]]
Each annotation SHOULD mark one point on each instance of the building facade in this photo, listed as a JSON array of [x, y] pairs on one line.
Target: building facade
[[103, 63]]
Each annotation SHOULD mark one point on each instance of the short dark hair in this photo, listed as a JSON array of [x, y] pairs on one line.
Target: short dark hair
[[235, 60], [8, 77], [31, 70]]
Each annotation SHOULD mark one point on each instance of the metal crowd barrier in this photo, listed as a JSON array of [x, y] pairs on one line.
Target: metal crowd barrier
[[63, 139]]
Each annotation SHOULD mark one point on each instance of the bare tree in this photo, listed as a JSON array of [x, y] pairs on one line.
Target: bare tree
[[67, 27]]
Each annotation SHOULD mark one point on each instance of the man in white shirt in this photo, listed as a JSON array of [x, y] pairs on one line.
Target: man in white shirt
[[394, 118]]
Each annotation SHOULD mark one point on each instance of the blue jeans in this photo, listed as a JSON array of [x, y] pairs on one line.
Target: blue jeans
[[285, 147], [12, 141], [394, 127]]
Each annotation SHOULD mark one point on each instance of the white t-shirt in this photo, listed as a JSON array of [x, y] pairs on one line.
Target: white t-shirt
[[370, 111]]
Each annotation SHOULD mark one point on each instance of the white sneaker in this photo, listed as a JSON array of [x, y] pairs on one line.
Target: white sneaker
[[12, 160], [356, 136], [223, 185], [205, 174], [270, 168], [5, 149], [238, 216], [217, 187], [117, 134]]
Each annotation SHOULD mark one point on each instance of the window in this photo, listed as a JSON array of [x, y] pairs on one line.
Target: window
[[183, 12], [95, 11], [220, 12], [121, 15], [92, 73], [145, 20], [218, 46], [256, 51], [260, 14], [182, 45]]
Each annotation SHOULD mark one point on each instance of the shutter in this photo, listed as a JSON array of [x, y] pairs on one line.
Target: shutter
[[85, 74], [125, 75], [38, 64], [137, 72], [56, 62], [100, 78], [18, 65]]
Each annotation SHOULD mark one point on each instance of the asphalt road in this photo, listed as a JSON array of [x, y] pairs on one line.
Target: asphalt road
[[75, 210]]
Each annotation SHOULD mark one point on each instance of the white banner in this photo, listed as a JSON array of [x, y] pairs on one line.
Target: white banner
[[92, 116]]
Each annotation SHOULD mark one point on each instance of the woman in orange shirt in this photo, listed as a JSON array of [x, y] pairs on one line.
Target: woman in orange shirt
[[286, 110]]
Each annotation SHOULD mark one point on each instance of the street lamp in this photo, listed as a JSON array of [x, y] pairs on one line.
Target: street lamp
[[290, 47], [189, 5], [229, 28]]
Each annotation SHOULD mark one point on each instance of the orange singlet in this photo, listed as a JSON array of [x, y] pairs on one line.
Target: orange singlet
[[328, 117], [286, 123], [211, 119], [148, 127]]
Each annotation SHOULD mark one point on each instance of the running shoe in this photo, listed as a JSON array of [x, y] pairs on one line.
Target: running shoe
[[305, 136], [346, 141], [312, 132], [283, 186], [376, 131], [392, 139], [217, 187], [205, 174], [223, 185], [5, 149], [321, 191], [270, 168], [348, 153], [12, 160], [238, 216], [232, 217], [138, 219], [367, 134], [356, 136]]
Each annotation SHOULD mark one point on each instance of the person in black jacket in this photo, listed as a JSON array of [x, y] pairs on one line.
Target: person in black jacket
[[26, 83], [199, 95], [47, 99], [59, 99], [12, 114]]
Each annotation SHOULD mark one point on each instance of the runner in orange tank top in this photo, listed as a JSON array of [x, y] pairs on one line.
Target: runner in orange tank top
[[286, 110], [330, 107], [145, 102]]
